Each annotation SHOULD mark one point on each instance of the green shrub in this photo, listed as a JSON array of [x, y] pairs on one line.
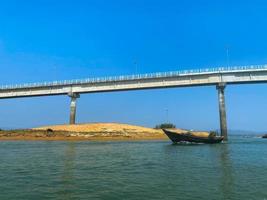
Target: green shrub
[[165, 125]]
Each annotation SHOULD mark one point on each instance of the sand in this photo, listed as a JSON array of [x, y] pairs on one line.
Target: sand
[[108, 131], [90, 131]]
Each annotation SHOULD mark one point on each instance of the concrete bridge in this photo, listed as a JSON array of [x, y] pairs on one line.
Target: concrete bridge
[[219, 77]]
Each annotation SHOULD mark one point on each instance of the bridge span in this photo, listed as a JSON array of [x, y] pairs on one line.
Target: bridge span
[[219, 77]]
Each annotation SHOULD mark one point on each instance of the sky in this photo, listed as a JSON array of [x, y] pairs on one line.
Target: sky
[[49, 40]]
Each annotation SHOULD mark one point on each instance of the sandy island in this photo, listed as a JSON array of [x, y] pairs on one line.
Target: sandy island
[[91, 131]]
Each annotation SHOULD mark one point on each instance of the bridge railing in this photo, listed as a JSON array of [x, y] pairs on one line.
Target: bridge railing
[[138, 76]]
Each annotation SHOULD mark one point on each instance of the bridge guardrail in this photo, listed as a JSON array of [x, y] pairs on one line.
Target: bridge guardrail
[[137, 76]]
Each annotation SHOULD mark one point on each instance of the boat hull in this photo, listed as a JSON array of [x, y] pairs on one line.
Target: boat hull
[[185, 137]]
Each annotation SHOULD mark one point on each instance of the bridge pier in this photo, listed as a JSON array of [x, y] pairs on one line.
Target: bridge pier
[[223, 123], [73, 97]]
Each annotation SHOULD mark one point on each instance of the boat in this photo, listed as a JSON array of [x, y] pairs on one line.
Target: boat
[[264, 136], [194, 137]]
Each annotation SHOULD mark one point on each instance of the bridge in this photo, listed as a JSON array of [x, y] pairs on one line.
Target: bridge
[[219, 77]]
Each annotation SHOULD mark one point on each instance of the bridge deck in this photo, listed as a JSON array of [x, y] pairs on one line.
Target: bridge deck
[[185, 78]]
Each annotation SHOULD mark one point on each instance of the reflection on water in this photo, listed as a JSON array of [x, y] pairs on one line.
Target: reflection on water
[[227, 179], [68, 171], [133, 170]]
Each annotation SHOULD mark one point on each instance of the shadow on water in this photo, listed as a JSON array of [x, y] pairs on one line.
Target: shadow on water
[[221, 155]]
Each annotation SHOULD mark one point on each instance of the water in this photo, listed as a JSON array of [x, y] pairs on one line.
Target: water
[[133, 170]]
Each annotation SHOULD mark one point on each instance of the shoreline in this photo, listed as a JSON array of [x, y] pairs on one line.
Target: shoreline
[[38, 135], [92, 139]]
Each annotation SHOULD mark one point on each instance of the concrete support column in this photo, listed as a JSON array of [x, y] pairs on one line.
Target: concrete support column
[[223, 124], [73, 97]]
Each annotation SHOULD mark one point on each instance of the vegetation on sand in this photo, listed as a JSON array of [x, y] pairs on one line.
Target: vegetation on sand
[[165, 125]]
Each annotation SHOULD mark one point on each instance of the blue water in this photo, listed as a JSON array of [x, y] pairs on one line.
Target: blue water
[[133, 170]]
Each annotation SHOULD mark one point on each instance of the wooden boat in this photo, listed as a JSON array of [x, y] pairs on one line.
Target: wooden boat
[[188, 136]]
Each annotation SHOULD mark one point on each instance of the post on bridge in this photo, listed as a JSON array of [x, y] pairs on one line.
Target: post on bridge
[[223, 123], [73, 97]]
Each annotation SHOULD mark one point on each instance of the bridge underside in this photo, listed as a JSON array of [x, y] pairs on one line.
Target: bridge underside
[[221, 99]]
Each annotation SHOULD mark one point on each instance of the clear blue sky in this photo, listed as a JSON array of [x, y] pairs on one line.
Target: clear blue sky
[[53, 40]]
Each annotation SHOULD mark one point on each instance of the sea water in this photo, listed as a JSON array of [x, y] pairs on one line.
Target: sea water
[[133, 170]]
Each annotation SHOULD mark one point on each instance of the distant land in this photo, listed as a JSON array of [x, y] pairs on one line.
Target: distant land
[[245, 132]]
